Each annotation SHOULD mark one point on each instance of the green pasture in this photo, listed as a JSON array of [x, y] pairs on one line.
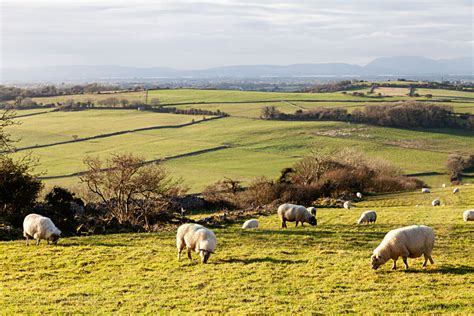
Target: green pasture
[[61, 126], [257, 147], [305, 270]]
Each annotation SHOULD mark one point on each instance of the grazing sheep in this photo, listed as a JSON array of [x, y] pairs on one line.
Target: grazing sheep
[[455, 190], [295, 213], [359, 195], [367, 217], [425, 190], [347, 205], [444, 185], [40, 227], [198, 238], [406, 242], [251, 223], [312, 210], [436, 202], [468, 215]]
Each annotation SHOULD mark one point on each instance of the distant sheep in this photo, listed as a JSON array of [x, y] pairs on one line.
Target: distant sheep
[[468, 215], [425, 190], [406, 242], [312, 210], [359, 195], [436, 202], [251, 223], [347, 205], [295, 213], [198, 238], [40, 227], [367, 217], [444, 185], [455, 190]]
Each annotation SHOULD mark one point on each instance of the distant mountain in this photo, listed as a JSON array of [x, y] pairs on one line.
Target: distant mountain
[[419, 66], [393, 66]]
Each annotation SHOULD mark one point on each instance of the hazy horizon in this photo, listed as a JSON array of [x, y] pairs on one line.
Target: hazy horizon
[[204, 34]]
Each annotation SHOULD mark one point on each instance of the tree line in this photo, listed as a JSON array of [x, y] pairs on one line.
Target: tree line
[[403, 114]]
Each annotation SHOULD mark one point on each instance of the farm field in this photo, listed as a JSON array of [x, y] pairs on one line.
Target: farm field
[[60, 126], [255, 147], [265, 146], [322, 269]]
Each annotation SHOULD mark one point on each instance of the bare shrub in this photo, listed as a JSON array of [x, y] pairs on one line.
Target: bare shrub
[[134, 193]]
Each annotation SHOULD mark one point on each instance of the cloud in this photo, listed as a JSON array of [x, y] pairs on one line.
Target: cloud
[[196, 34]]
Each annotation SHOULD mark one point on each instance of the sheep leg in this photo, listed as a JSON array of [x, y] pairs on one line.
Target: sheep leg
[[27, 239], [394, 267], [431, 259], [283, 224], [37, 242], [405, 261], [189, 254], [179, 253], [296, 224], [302, 224]]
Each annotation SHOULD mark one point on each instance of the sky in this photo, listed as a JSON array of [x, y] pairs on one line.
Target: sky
[[197, 34]]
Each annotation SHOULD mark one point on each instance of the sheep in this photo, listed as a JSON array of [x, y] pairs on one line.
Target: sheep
[[251, 223], [468, 215], [40, 227], [444, 185], [406, 242], [312, 210], [291, 213], [359, 195], [455, 190], [347, 205], [367, 217], [436, 202], [198, 238], [425, 190]]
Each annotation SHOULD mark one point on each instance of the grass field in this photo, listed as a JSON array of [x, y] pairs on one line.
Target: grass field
[[323, 269], [256, 147]]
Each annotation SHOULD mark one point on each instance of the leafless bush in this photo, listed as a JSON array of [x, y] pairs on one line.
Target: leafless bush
[[134, 193]]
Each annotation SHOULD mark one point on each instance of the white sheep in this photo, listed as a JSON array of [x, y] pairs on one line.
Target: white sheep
[[406, 242], [312, 210], [425, 190], [198, 238], [40, 227], [251, 223], [295, 213], [455, 190], [468, 215], [359, 195], [444, 185], [436, 202], [347, 205], [367, 217]]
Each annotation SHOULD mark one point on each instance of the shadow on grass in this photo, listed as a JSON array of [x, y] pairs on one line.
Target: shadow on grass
[[295, 232], [445, 270], [95, 243], [258, 260]]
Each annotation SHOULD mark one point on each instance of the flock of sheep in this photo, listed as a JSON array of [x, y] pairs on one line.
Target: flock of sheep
[[406, 242]]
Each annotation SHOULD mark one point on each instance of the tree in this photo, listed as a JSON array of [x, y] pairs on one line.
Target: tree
[[269, 113], [134, 193], [19, 189], [6, 119], [455, 165], [155, 101]]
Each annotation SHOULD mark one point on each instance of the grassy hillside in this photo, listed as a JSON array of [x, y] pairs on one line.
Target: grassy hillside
[[256, 147], [322, 269]]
